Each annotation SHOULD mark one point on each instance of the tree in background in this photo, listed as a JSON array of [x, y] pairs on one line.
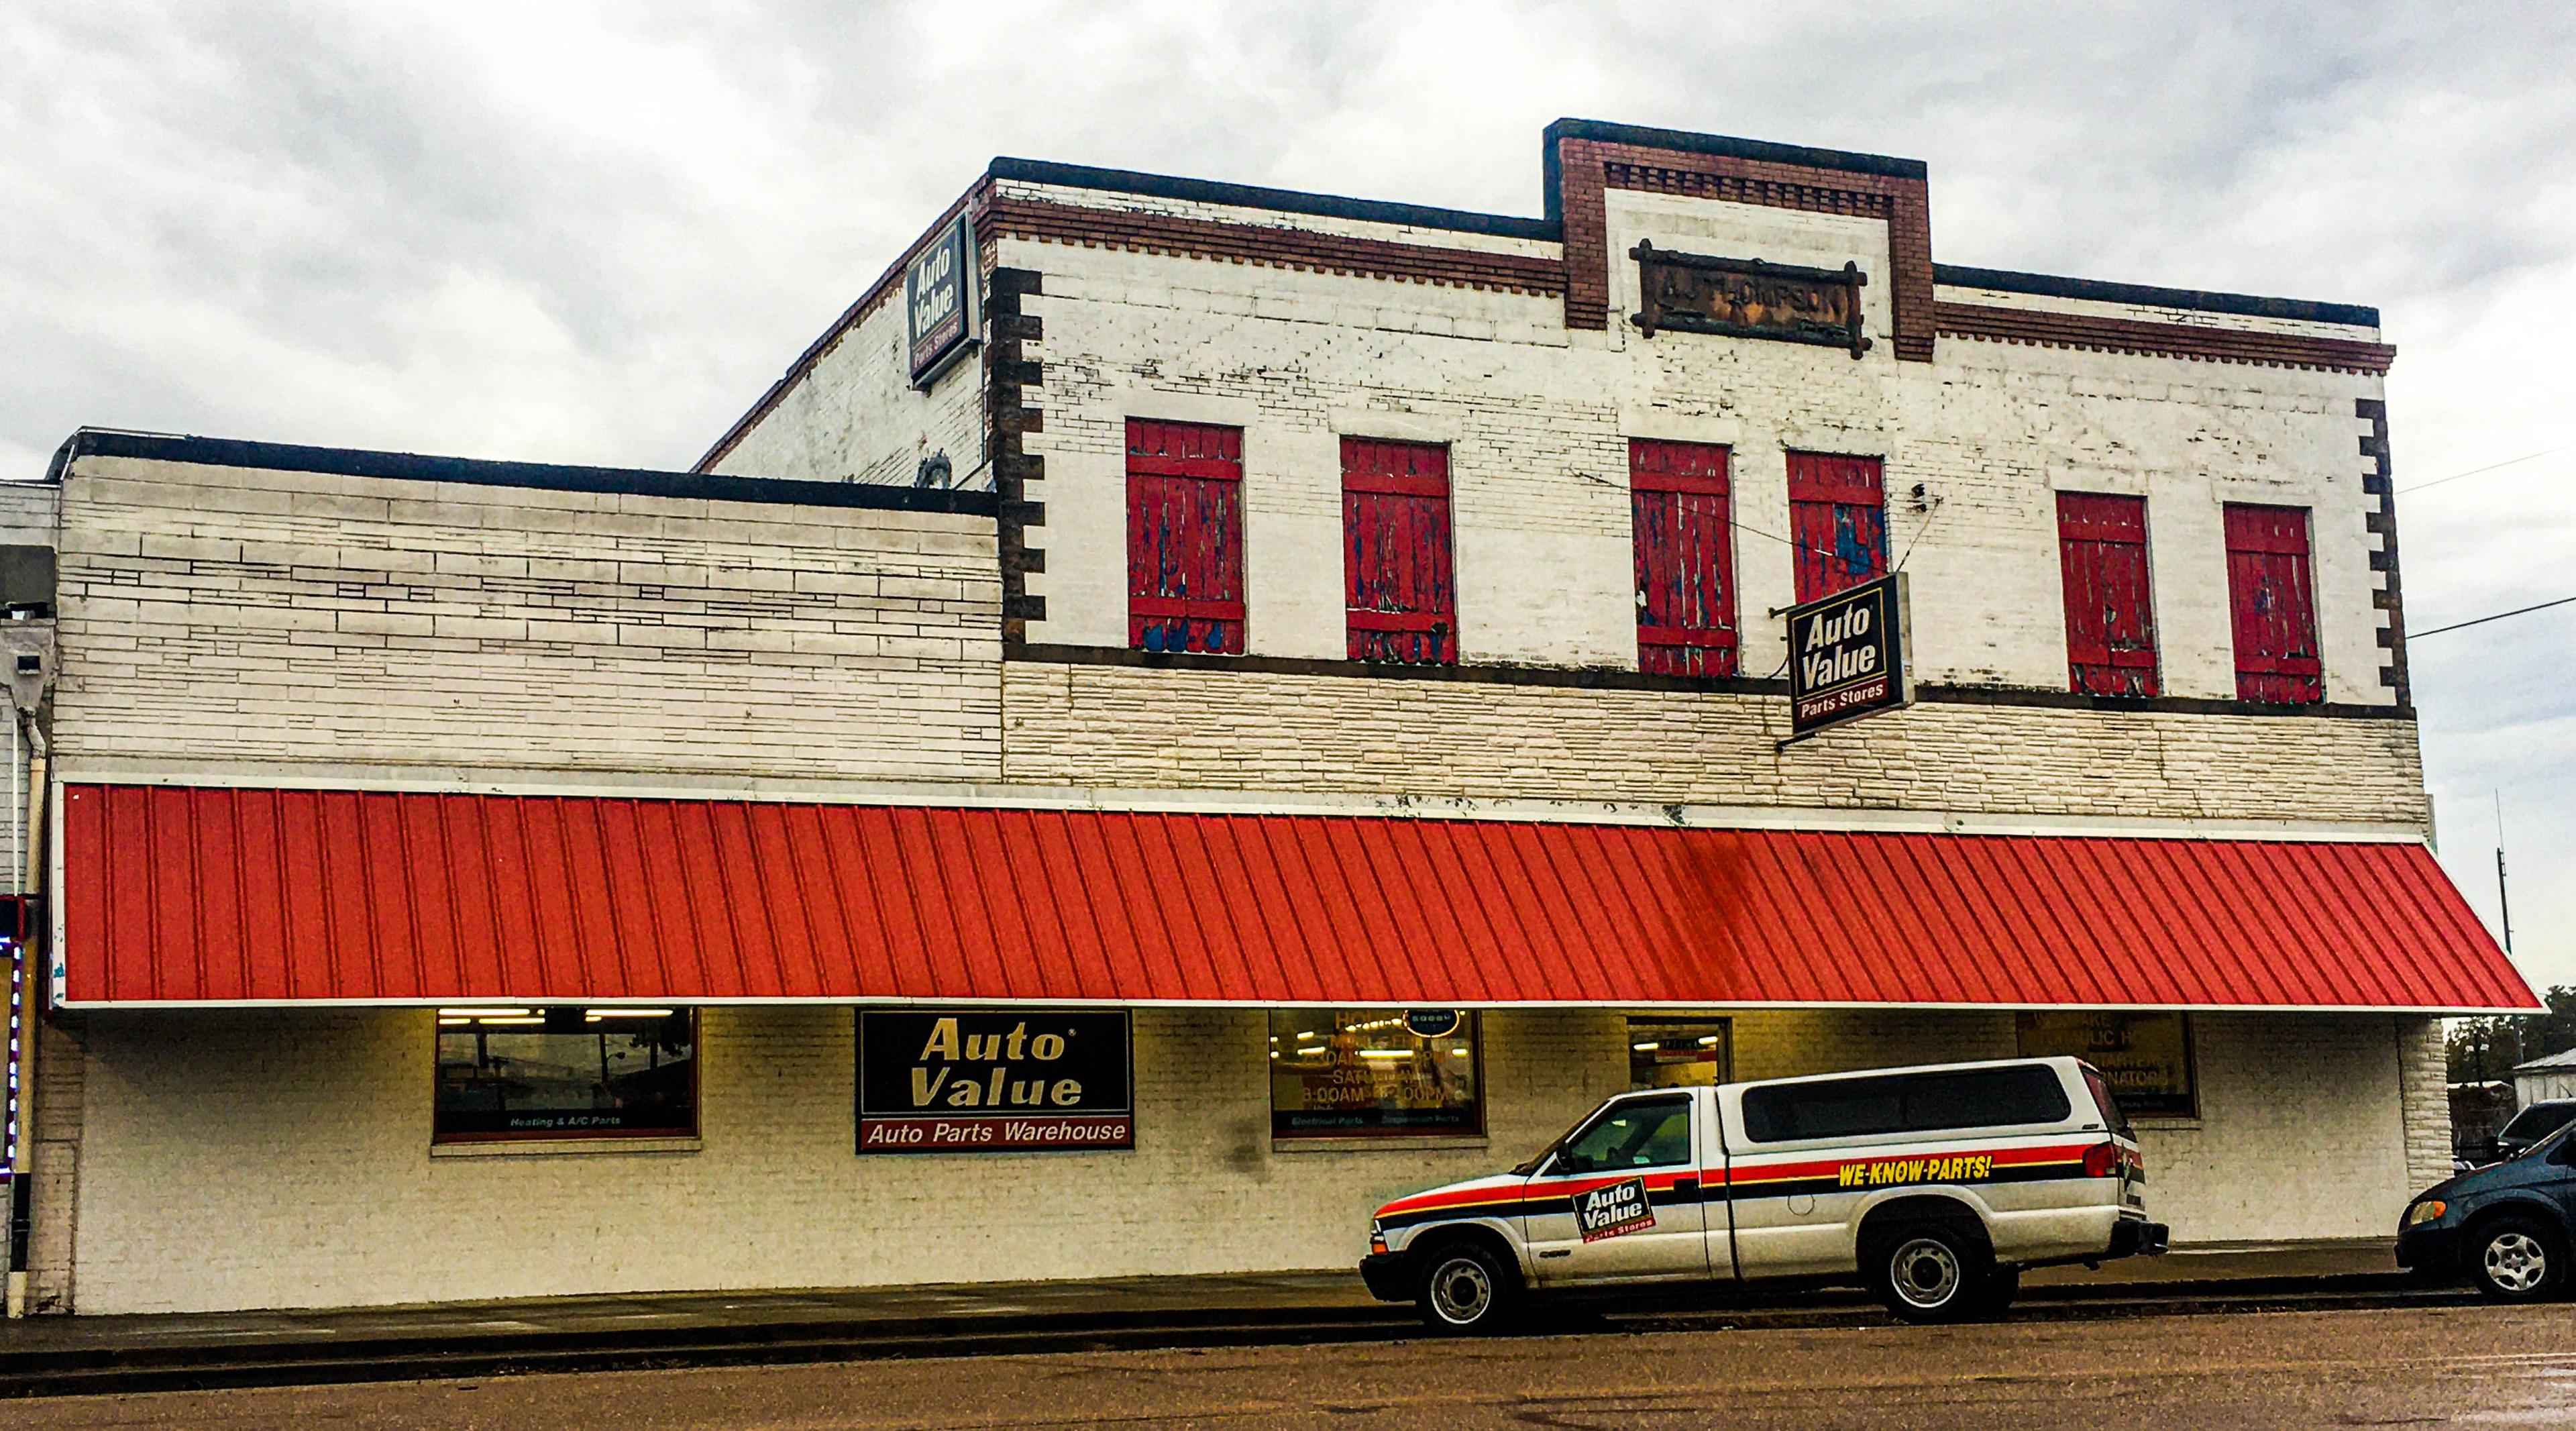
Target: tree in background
[[2486, 1049]]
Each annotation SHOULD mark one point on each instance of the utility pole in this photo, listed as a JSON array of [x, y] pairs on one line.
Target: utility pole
[[2504, 908]]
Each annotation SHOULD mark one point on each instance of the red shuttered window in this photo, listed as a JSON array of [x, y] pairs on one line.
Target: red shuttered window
[[1184, 537], [1838, 518], [1685, 558], [2271, 592], [2110, 611], [1402, 598]]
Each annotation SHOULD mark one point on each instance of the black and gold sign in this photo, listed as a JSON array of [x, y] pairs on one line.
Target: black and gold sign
[[1847, 655], [994, 1081], [1748, 298]]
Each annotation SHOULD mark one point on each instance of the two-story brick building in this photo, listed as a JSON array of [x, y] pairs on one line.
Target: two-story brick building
[[1191, 709]]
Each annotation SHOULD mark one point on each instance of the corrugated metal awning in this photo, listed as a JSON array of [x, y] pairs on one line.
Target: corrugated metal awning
[[218, 896]]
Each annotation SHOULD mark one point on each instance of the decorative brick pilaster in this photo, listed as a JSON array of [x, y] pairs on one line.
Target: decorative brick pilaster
[[1010, 374], [2389, 595]]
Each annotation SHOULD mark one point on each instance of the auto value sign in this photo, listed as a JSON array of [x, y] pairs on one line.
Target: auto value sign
[[939, 299], [1621, 1207], [1847, 656], [994, 1081]]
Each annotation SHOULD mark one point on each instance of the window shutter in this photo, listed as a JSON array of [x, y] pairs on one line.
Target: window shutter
[[1401, 600], [1184, 537], [2271, 594], [1838, 518], [2110, 611], [1680, 505]]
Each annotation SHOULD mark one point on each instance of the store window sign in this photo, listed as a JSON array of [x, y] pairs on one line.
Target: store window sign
[[994, 1081], [939, 300], [2145, 1057], [1369, 1072], [1431, 1023]]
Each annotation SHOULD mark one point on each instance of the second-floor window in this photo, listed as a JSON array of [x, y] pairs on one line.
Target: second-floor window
[[1184, 537], [1401, 594], [2110, 609], [2271, 594], [1838, 518], [1685, 558]]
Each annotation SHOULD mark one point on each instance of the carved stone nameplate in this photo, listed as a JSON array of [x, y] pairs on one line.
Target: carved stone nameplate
[[1748, 298]]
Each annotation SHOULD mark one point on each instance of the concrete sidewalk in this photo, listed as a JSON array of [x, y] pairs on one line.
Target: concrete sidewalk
[[164, 1351]]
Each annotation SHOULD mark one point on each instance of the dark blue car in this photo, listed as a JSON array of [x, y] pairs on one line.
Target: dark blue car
[[2506, 1228]]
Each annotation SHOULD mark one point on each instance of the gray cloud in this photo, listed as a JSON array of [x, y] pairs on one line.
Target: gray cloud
[[595, 231]]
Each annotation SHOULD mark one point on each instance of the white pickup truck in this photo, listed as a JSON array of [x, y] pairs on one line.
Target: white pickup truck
[[1936, 1186]]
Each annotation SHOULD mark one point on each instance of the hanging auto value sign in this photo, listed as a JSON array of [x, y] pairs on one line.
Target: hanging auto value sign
[[939, 300], [994, 1080], [1847, 656]]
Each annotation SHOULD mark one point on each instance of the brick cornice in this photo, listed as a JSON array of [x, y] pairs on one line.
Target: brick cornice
[[2169, 340], [1587, 169], [1273, 245]]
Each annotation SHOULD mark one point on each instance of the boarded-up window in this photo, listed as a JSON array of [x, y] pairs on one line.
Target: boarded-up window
[[1402, 601], [1838, 518], [2110, 614], [1184, 537], [1685, 558], [2271, 593]]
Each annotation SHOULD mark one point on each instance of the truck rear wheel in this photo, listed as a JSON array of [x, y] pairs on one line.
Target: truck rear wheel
[[1929, 1272], [1466, 1289]]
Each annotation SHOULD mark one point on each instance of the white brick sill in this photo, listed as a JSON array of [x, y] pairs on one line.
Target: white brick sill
[[562, 1147], [1377, 1145]]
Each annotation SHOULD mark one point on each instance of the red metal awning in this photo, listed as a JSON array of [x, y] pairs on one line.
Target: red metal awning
[[215, 896]]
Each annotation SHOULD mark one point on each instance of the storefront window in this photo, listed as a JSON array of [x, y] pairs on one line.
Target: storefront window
[[1679, 1053], [1369, 1072], [508, 1073], [2146, 1057]]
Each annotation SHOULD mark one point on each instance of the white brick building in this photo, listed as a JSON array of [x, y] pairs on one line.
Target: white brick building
[[1262, 610]]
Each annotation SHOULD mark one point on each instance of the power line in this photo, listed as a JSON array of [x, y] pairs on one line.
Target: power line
[[2490, 467], [2483, 620]]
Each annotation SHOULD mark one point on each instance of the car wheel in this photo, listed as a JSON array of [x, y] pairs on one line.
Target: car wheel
[[1928, 1272], [1465, 1289], [2516, 1259]]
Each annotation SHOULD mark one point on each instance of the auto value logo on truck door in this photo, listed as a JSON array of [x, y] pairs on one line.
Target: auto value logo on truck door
[[1613, 1209], [994, 1081]]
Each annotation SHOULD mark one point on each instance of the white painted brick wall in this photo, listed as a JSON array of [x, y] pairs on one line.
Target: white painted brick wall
[[1537, 419], [855, 417], [220, 613], [281, 1159], [1233, 730]]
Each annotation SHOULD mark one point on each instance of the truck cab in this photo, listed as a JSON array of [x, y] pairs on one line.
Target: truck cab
[[1934, 1185]]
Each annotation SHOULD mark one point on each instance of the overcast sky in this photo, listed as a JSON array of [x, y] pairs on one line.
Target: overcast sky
[[594, 232]]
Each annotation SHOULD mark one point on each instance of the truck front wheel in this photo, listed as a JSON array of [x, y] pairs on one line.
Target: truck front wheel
[[1465, 1289]]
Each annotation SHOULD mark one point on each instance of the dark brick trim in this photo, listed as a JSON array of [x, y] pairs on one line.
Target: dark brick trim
[[1285, 201], [1585, 160], [1607, 679], [1276, 246], [2377, 480], [888, 284], [2169, 340], [415, 467], [2245, 305], [1716, 146], [1009, 374]]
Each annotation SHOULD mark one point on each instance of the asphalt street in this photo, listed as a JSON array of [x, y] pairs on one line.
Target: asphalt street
[[2430, 1366]]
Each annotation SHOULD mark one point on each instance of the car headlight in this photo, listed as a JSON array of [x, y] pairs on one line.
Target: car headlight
[[2426, 1211]]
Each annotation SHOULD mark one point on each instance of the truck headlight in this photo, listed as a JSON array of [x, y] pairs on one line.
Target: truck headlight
[[2426, 1211]]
